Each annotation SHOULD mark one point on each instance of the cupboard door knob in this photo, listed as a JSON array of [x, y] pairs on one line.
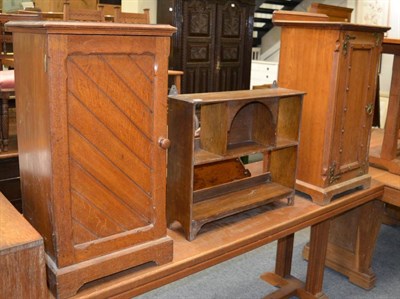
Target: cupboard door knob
[[164, 143]]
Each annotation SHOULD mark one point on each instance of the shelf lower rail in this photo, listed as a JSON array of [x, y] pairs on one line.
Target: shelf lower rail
[[235, 202]]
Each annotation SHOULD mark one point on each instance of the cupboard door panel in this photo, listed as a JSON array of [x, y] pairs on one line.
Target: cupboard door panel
[[120, 166], [354, 110]]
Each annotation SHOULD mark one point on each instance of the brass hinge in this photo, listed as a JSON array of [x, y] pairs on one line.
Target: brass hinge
[[331, 174], [378, 38], [347, 38]]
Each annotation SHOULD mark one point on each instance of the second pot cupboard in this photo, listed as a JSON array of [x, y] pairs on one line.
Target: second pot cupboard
[[336, 64]]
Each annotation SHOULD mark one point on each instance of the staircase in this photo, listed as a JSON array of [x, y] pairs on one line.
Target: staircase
[[263, 16]]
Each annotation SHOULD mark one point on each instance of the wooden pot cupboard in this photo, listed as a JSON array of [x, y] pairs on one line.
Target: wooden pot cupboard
[[206, 178], [213, 42], [92, 115], [336, 64]]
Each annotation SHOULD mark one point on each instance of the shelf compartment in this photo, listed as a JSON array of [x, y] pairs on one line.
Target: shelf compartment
[[202, 156], [245, 199], [218, 173], [237, 201], [229, 125]]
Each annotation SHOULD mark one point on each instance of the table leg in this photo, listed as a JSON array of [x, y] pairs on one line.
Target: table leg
[[290, 285], [284, 253], [392, 126], [315, 271], [287, 284]]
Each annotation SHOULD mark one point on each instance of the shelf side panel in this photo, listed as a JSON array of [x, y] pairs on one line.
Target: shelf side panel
[[180, 162]]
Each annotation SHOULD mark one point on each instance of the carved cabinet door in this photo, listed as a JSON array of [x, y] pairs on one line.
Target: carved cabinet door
[[355, 95], [198, 45], [216, 45], [230, 45]]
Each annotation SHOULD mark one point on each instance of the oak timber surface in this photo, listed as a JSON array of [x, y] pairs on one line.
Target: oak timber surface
[[22, 264], [224, 239]]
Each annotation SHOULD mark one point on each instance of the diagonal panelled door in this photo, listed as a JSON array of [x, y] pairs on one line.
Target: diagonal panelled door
[[111, 177]]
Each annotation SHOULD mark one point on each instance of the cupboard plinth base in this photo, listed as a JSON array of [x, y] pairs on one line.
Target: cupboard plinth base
[[323, 196], [65, 282]]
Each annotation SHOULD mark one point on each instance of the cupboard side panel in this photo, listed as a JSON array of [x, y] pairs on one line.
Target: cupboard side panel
[[57, 53], [33, 129], [160, 123], [309, 66]]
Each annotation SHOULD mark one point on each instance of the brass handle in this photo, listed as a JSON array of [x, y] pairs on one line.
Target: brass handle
[[164, 143], [369, 108]]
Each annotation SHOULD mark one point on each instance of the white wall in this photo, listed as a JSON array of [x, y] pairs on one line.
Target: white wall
[[383, 13], [139, 5], [270, 42]]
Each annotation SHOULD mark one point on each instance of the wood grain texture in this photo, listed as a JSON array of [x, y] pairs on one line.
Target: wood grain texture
[[228, 238], [205, 182], [102, 111], [337, 109], [352, 242], [21, 256]]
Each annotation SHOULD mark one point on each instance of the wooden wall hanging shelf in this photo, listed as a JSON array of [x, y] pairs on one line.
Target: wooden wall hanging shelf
[[206, 179]]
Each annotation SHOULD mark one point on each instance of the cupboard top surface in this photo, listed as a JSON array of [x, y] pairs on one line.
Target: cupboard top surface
[[331, 25], [238, 95], [82, 28], [15, 231]]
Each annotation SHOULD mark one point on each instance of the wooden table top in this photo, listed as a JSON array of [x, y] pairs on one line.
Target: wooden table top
[[384, 177], [224, 239], [391, 46]]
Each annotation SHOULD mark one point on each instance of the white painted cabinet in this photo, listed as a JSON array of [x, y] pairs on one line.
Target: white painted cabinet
[[263, 72]]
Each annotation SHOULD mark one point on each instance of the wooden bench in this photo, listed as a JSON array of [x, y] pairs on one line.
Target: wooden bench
[[22, 264]]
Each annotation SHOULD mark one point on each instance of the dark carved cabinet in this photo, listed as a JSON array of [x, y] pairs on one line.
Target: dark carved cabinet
[[213, 43]]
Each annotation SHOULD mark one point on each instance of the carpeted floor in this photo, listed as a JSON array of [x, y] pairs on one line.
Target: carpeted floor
[[239, 277]]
